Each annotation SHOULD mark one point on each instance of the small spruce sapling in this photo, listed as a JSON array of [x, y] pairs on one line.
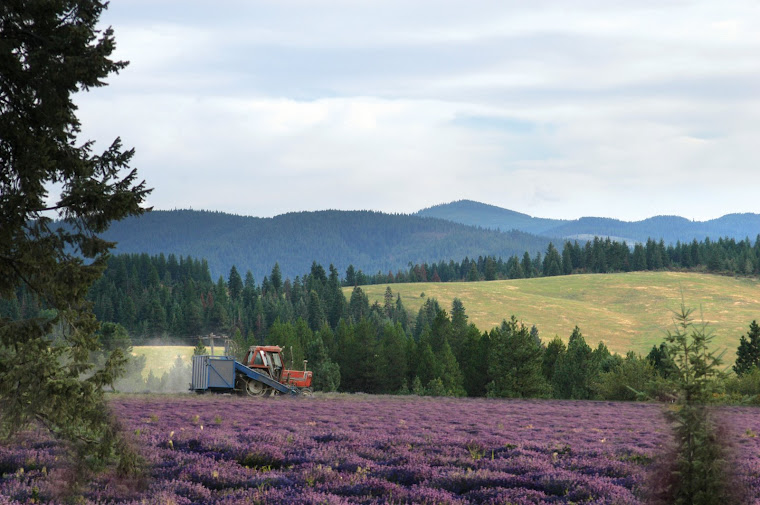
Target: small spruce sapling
[[200, 349], [699, 475]]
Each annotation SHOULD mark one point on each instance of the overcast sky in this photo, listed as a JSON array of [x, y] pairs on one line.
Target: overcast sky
[[560, 109]]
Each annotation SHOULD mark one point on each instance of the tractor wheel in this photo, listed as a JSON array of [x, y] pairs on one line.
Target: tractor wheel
[[255, 388], [307, 392]]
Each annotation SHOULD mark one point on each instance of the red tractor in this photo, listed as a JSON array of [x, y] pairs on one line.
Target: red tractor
[[267, 360]]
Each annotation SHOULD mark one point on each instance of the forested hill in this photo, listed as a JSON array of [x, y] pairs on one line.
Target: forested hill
[[489, 216], [371, 241], [669, 228]]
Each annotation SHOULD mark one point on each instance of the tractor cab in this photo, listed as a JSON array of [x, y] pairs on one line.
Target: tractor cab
[[267, 359]]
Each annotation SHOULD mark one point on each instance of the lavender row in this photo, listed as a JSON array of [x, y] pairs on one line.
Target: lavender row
[[362, 449]]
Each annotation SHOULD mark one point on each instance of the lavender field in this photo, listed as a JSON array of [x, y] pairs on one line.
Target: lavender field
[[366, 449]]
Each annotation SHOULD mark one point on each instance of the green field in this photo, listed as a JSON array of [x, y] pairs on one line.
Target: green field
[[629, 311], [160, 358]]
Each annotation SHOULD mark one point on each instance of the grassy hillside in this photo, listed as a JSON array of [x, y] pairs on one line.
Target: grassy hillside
[[627, 311]]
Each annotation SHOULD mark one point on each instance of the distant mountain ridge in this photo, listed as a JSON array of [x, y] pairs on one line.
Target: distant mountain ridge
[[669, 228], [370, 241], [378, 242]]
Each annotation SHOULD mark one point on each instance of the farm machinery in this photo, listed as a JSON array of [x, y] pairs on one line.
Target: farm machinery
[[262, 373]]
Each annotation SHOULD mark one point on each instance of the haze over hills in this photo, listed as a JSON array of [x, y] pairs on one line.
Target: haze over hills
[[669, 228], [371, 241]]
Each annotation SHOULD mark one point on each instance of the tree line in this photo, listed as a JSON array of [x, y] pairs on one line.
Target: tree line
[[600, 255], [353, 345]]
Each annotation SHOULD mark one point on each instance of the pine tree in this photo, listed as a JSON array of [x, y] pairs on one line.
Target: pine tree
[[50, 50], [574, 369], [459, 327], [473, 360], [393, 362], [427, 365], [275, 279], [235, 284], [326, 372], [358, 305], [552, 264], [335, 301], [473, 275], [388, 302], [748, 353], [515, 363], [450, 374], [700, 471], [199, 349], [316, 314]]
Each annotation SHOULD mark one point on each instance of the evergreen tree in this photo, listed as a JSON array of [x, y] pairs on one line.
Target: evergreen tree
[[554, 350], [639, 258], [351, 276], [114, 336], [473, 274], [659, 359], [344, 340], [459, 326], [440, 331], [427, 366], [623, 382], [603, 360], [700, 471], [449, 372], [284, 335], [527, 265], [199, 349], [514, 268], [458, 316], [240, 344], [326, 372], [426, 316], [334, 299], [515, 363], [388, 305], [574, 370], [567, 259], [316, 314], [748, 353], [363, 353], [473, 361], [552, 264], [275, 279], [235, 284], [50, 50], [417, 388], [358, 305], [490, 269], [393, 360]]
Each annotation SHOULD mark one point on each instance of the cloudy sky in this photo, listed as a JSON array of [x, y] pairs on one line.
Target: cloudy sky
[[559, 109]]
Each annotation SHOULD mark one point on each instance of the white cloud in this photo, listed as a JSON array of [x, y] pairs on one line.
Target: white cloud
[[558, 109]]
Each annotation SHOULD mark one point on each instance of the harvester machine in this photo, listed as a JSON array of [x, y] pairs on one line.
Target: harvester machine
[[261, 373]]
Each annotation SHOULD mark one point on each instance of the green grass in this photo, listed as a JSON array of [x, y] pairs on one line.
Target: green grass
[[160, 358], [628, 311]]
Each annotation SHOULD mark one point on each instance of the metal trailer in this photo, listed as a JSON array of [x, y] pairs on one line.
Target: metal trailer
[[219, 374]]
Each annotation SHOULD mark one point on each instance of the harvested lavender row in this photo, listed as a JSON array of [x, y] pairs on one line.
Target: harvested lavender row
[[361, 449]]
